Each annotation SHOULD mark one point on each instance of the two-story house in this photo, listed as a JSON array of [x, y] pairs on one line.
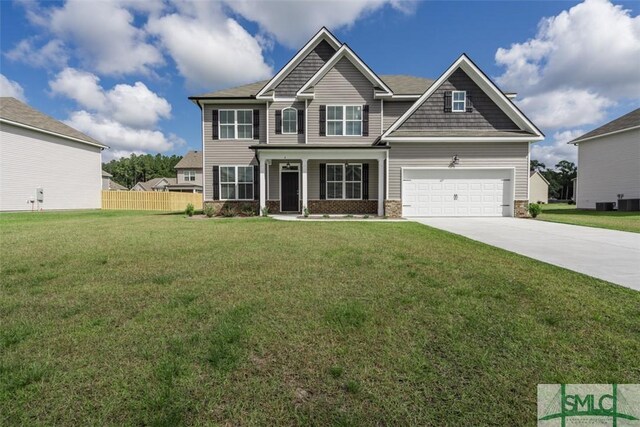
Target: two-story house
[[188, 173], [328, 134]]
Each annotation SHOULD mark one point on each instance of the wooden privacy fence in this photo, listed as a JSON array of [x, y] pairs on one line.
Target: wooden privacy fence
[[149, 200]]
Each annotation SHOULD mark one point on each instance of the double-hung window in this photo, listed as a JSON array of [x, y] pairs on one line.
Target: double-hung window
[[344, 181], [344, 120], [236, 124], [289, 120], [458, 101], [189, 175], [236, 182]]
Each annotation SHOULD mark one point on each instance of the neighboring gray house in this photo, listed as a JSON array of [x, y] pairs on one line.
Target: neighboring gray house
[[154, 184], [109, 184], [188, 174], [538, 188], [609, 162], [45, 164], [328, 134]]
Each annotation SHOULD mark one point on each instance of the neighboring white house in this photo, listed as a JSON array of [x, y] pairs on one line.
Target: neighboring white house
[[45, 164], [609, 162], [538, 188]]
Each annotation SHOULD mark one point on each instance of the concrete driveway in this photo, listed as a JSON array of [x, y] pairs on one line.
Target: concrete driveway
[[610, 255]]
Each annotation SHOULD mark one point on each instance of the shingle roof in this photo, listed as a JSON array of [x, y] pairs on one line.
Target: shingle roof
[[191, 160], [627, 121], [459, 133], [150, 184], [106, 174], [399, 84], [115, 186], [15, 111]]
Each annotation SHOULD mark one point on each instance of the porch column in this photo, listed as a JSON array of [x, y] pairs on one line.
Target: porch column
[[381, 187], [263, 185], [304, 184]]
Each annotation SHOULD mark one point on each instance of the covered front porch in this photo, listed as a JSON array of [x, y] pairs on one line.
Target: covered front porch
[[322, 179]]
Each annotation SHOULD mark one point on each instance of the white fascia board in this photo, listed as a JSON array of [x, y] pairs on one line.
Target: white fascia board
[[484, 83], [70, 138], [232, 101], [574, 142], [323, 34], [344, 52], [461, 139]]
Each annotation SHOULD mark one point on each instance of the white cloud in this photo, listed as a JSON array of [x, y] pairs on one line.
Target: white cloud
[[293, 22], [131, 105], [550, 153], [11, 88], [587, 52], [210, 50], [52, 53]]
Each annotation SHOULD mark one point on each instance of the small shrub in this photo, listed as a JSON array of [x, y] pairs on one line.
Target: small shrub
[[366, 217], [209, 210], [305, 212], [325, 216], [534, 209], [190, 209], [265, 211], [228, 212], [247, 210], [348, 216], [572, 202]]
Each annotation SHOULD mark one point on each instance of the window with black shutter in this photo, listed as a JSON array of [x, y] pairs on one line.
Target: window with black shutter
[[278, 122], [214, 124], [216, 183], [256, 124], [365, 120], [256, 182], [300, 122], [447, 101], [323, 181], [469, 103], [365, 181], [323, 120]]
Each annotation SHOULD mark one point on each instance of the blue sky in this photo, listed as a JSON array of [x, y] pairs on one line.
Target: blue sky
[[121, 70]]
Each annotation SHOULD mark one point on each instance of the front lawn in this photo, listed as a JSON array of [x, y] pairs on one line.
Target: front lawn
[[119, 318], [568, 214]]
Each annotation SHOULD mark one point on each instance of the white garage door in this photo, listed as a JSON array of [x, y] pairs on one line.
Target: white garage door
[[456, 192]]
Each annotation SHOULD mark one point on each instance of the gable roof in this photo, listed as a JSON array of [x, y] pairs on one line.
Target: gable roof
[[153, 183], [629, 121], [496, 95], [106, 174], [323, 34], [531, 173], [191, 160], [245, 91], [115, 186], [345, 52], [20, 114]]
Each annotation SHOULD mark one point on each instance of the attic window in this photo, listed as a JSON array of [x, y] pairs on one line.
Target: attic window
[[458, 101]]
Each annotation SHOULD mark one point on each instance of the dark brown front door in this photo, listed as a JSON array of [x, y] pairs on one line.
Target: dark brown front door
[[289, 191]]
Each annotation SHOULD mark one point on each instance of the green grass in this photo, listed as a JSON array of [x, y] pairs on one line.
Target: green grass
[[117, 318], [568, 214]]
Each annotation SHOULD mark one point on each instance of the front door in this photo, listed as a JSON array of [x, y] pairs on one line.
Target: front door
[[289, 183]]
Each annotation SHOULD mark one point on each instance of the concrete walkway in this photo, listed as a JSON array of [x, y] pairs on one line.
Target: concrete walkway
[[610, 255]]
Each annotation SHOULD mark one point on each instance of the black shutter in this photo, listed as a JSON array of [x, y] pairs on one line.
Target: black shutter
[[216, 183], [469, 103], [256, 124], [256, 182], [365, 120], [214, 124], [365, 181], [278, 122], [447, 101], [323, 181], [300, 122], [323, 120]]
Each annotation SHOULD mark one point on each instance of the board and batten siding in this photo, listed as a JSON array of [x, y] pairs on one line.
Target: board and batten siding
[[301, 74], [69, 172], [228, 151], [313, 177], [392, 110], [608, 166], [283, 138], [485, 114], [471, 155], [344, 84]]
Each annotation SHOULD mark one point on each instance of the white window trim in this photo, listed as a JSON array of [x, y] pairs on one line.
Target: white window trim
[[344, 182], [295, 132], [235, 124], [188, 174], [344, 119], [236, 181], [464, 101]]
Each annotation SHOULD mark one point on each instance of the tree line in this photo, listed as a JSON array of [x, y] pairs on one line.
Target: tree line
[[128, 171], [560, 179]]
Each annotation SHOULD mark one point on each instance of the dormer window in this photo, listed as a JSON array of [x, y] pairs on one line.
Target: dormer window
[[459, 101]]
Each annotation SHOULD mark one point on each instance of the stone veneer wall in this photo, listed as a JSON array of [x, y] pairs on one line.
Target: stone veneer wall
[[273, 206], [521, 208], [343, 206], [393, 208]]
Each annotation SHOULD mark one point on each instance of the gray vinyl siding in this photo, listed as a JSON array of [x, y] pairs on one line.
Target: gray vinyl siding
[[290, 85], [313, 178], [392, 110], [181, 180], [344, 84], [230, 151], [283, 139], [485, 115], [472, 154]]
